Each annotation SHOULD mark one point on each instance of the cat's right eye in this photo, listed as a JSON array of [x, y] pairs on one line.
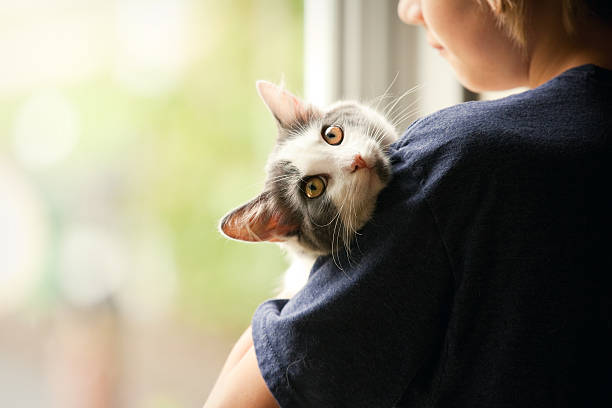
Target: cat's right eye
[[314, 187], [333, 135]]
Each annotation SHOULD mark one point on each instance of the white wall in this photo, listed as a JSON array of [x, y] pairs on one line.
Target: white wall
[[356, 49]]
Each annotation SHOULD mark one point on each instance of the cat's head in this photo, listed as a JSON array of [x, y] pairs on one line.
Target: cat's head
[[323, 176]]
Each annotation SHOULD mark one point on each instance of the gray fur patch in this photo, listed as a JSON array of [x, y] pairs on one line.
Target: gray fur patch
[[288, 131], [317, 218]]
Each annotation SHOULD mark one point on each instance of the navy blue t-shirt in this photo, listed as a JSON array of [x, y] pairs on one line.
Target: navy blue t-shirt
[[484, 277]]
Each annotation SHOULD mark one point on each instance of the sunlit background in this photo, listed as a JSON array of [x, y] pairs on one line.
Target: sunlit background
[[127, 129]]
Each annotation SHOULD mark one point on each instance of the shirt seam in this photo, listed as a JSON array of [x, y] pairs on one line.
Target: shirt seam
[[284, 392]]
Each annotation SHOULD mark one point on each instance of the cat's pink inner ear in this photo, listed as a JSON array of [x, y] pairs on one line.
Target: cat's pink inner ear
[[253, 222], [286, 107]]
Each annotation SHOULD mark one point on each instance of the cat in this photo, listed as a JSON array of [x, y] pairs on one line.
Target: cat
[[323, 179]]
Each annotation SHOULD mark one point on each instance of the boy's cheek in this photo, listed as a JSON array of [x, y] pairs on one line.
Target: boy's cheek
[[451, 22], [480, 52]]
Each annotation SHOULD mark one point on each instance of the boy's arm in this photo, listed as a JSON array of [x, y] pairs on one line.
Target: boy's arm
[[240, 383]]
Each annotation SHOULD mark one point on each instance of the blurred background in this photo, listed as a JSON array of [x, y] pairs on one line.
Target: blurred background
[[127, 129]]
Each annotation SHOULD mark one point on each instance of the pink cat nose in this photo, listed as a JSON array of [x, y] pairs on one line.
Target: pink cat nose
[[358, 163]]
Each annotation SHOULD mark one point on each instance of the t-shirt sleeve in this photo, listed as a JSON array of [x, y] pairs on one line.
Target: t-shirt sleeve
[[365, 323]]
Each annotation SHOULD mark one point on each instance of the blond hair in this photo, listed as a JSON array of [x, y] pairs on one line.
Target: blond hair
[[512, 15]]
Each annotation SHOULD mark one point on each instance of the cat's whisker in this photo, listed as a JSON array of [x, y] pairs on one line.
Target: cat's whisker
[[323, 225], [347, 236], [333, 253], [344, 224], [404, 114], [278, 181], [378, 136], [414, 102], [386, 93], [374, 103], [391, 106], [283, 177], [349, 229], [408, 110]]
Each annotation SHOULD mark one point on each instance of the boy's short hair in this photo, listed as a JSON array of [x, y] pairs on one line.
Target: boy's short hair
[[512, 14]]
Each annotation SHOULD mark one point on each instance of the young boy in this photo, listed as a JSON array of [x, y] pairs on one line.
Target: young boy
[[484, 280]]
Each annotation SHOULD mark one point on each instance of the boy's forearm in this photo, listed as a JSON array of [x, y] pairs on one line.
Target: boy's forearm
[[240, 383], [238, 351]]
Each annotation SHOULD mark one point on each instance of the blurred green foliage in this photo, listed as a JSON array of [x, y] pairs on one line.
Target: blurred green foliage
[[188, 155]]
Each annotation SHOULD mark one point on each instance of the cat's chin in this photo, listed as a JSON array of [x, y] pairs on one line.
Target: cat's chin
[[369, 186], [373, 183]]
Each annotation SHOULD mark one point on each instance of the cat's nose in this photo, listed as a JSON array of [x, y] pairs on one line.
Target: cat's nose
[[358, 163]]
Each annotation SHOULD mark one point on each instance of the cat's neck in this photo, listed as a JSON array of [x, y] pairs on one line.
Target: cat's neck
[[296, 275]]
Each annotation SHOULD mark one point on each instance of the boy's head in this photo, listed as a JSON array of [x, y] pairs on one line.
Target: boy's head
[[492, 44]]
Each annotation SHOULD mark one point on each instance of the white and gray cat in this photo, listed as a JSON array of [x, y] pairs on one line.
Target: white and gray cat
[[323, 178]]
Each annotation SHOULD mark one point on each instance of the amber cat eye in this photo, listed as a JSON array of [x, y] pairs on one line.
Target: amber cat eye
[[333, 135], [314, 187]]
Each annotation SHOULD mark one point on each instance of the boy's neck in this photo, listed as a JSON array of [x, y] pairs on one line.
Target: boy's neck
[[553, 51]]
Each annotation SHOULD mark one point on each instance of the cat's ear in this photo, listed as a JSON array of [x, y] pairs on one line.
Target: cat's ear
[[256, 221], [286, 107]]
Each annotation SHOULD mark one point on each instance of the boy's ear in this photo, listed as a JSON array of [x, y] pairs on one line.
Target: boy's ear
[[286, 107], [257, 221]]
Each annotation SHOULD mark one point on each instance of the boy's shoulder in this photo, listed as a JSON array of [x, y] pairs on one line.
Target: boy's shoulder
[[575, 103], [560, 124], [571, 112], [472, 122], [471, 131]]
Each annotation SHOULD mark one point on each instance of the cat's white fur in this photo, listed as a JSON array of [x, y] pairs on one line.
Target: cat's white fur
[[296, 276]]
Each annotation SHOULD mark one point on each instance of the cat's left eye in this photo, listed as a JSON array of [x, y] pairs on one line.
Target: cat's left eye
[[314, 187], [333, 135]]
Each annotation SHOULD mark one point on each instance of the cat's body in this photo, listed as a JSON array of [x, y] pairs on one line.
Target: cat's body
[[324, 176]]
